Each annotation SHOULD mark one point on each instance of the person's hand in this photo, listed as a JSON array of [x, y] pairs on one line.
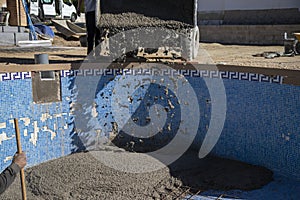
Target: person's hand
[[20, 159]]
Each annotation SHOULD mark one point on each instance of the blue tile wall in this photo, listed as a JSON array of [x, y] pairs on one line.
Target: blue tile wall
[[46, 121], [262, 116], [261, 126]]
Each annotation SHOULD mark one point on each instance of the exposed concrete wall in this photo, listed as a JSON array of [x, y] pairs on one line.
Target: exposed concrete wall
[[246, 34], [248, 12], [248, 17], [222, 5]]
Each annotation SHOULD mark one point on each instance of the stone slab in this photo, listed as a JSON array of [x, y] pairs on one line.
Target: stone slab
[[12, 29], [7, 39], [21, 37]]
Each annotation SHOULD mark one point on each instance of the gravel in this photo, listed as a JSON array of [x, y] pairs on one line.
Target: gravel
[[134, 20]]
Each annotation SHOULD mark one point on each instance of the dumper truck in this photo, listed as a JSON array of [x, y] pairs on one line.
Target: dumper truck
[[174, 20]]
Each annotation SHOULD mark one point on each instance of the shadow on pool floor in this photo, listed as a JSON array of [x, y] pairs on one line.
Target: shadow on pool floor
[[281, 188]]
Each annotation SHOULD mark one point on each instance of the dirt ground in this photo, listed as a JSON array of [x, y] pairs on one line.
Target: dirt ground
[[66, 51], [241, 55], [82, 176]]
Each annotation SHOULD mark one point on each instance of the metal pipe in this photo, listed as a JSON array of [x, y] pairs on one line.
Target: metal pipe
[[41, 58]]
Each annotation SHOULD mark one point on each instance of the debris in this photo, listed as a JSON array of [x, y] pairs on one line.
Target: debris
[[297, 45], [44, 32], [35, 43], [271, 55], [68, 28]]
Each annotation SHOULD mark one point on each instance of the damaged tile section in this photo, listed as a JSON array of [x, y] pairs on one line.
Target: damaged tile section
[[45, 116], [43, 126], [8, 158], [4, 137], [34, 135], [2, 125], [26, 121], [46, 129]]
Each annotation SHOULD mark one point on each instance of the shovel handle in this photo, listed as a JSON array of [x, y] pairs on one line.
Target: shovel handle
[[19, 147]]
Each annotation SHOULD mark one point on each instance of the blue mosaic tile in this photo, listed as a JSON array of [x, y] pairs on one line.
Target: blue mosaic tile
[[262, 126], [16, 103]]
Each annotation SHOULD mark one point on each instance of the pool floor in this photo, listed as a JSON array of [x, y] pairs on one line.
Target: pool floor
[[281, 188]]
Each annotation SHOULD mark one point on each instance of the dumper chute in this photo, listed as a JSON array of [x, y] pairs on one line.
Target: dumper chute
[[117, 16]]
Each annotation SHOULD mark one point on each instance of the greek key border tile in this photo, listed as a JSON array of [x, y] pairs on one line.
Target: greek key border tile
[[15, 76], [156, 72], [187, 73]]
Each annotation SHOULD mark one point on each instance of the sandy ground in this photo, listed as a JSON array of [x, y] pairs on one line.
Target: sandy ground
[[243, 56], [66, 51], [83, 176]]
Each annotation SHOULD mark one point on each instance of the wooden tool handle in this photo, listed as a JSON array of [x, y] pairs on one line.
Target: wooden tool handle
[[19, 146]]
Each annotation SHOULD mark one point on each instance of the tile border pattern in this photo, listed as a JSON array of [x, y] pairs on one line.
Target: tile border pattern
[[187, 73], [253, 77], [15, 76]]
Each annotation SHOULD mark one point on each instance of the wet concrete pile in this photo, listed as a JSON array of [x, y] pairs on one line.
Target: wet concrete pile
[[129, 31], [82, 176], [129, 14], [127, 43], [149, 24], [116, 23]]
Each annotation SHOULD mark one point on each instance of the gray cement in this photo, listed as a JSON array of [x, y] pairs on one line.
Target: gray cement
[[129, 14], [135, 20], [177, 10], [81, 176], [172, 21], [116, 23]]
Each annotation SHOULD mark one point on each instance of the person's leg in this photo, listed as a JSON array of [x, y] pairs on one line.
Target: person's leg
[[96, 36], [90, 28]]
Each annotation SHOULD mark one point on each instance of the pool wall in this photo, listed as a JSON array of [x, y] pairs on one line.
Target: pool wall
[[261, 125], [44, 129]]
